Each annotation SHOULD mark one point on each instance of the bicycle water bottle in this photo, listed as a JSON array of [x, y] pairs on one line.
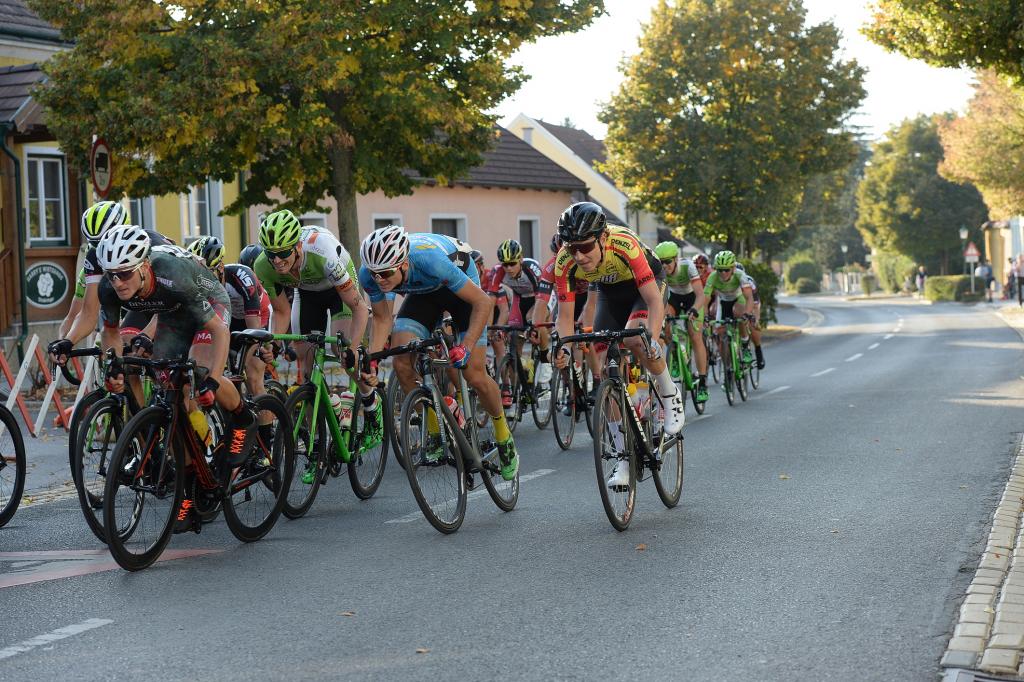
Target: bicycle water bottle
[[201, 426], [453, 407], [342, 406]]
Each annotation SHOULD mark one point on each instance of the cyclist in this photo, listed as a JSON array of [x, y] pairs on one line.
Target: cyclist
[[629, 294], [686, 296], [96, 221], [700, 261], [79, 296], [437, 275], [522, 277], [749, 283], [726, 283], [313, 262], [250, 309]]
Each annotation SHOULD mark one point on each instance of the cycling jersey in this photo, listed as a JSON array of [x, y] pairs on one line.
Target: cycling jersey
[[525, 285], [681, 282], [80, 284], [625, 259], [247, 296], [726, 290], [325, 264], [91, 266], [436, 262], [547, 282]]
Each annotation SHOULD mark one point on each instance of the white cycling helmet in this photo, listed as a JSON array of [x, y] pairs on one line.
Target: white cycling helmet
[[123, 248], [385, 248]]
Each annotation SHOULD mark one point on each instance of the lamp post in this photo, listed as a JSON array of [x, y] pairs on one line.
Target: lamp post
[[846, 275], [963, 244]]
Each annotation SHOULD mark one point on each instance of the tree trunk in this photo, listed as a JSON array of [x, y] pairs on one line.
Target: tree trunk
[[344, 190]]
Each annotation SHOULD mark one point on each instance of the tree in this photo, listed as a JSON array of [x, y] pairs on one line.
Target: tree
[[906, 207], [727, 110], [315, 98], [985, 146], [975, 34]]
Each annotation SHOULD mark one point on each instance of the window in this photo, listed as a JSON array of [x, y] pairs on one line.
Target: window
[[201, 207], [450, 225], [529, 236], [47, 200], [313, 219], [141, 213], [384, 219]]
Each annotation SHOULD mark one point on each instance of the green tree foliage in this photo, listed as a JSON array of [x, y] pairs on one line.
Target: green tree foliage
[[767, 288], [985, 146], [316, 98], [727, 110], [802, 269], [971, 33], [907, 207], [894, 270]]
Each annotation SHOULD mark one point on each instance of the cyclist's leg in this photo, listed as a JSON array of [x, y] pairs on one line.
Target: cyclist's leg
[[133, 324], [755, 333]]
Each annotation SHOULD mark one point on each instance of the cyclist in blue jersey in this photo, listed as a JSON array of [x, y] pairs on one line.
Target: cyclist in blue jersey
[[437, 275]]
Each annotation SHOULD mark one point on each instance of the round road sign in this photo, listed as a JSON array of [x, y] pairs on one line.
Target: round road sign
[[102, 167]]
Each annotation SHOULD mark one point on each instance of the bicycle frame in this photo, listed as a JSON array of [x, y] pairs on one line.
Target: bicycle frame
[[682, 351]]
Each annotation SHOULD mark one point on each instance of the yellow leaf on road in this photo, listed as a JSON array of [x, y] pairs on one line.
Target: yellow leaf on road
[[784, 477], [641, 547], [423, 650], [348, 613]]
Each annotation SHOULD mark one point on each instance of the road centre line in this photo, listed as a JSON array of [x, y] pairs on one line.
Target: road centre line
[[780, 389], [858, 356], [874, 346], [55, 635], [888, 336], [823, 372], [416, 515]]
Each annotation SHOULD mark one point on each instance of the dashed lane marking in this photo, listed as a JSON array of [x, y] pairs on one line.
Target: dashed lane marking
[[858, 356], [53, 636], [823, 372], [874, 346], [24, 568], [780, 389], [888, 336], [416, 515]]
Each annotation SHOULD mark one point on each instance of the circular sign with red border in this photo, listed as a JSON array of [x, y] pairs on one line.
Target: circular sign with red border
[[101, 166]]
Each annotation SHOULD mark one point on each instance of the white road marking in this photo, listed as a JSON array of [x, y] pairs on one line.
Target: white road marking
[[780, 389], [50, 637], [888, 336], [824, 372], [858, 356], [874, 346], [416, 515]]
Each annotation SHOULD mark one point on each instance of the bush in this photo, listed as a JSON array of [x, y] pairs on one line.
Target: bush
[[801, 269], [892, 270], [868, 284], [806, 285], [950, 288], [767, 288]]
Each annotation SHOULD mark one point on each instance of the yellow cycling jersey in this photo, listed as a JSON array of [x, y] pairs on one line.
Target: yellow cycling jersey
[[625, 258]]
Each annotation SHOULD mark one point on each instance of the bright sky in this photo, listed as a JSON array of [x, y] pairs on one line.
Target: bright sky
[[573, 75]]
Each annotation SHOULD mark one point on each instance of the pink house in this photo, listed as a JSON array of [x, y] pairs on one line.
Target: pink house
[[516, 192]]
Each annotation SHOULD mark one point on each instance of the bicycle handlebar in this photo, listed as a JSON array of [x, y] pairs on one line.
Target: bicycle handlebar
[[606, 335], [83, 352]]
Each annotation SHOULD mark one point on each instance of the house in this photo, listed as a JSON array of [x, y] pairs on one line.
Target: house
[[515, 193]]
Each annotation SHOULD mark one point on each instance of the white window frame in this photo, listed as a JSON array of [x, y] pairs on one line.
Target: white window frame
[[538, 254], [53, 154], [393, 218], [461, 223], [147, 212], [214, 204], [314, 219]]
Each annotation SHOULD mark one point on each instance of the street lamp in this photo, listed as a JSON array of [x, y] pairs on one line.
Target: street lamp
[[963, 244], [846, 275]]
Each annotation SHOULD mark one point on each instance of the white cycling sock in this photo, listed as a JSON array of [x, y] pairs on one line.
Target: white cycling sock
[[664, 383]]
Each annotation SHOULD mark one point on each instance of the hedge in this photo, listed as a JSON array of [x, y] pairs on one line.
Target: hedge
[[892, 270], [806, 285], [800, 269], [767, 288], [952, 288]]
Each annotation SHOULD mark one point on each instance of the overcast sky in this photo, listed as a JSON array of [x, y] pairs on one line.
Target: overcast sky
[[572, 75]]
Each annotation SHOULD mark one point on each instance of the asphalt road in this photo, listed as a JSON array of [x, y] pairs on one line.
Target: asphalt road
[[827, 530]]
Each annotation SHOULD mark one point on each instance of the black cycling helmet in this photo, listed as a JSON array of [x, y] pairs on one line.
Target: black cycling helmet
[[581, 221], [556, 243], [249, 255], [476, 256]]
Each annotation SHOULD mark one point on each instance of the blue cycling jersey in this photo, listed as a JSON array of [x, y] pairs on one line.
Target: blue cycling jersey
[[436, 262]]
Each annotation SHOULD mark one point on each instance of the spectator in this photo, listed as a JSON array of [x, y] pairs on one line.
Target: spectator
[[984, 273], [1010, 290], [921, 276]]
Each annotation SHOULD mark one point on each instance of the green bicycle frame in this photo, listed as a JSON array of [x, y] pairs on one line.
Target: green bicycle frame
[[322, 397], [681, 355]]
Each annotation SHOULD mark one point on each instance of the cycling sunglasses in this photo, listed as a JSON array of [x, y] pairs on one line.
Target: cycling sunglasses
[[279, 255], [580, 247], [383, 274], [121, 275], [668, 261], [723, 269], [510, 264]]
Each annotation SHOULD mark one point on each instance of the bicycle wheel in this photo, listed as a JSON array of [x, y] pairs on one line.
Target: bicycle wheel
[[503, 493], [433, 463], [393, 404], [12, 465], [754, 374], [310, 450], [668, 471], [101, 426], [563, 408], [77, 417], [256, 493], [588, 381], [714, 359], [542, 402], [508, 376], [741, 379], [144, 489], [368, 446], [614, 444], [728, 375]]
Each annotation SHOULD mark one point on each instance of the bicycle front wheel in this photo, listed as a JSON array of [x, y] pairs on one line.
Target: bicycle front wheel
[[563, 408], [368, 446], [508, 380], [613, 448], [433, 463], [741, 379], [12, 465], [728, 375], [754, 374], [668, 473], [145, 484], [503, 493], [542, 402], [77, 418], [714, 359], [257, 489], [97, 435], [393, 406], [310, 437]]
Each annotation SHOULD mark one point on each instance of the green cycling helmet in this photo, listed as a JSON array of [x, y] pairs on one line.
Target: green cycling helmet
[[100, 217], [666, 250], [210, 249], [510, 251], [280, 231], [725, 259]]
